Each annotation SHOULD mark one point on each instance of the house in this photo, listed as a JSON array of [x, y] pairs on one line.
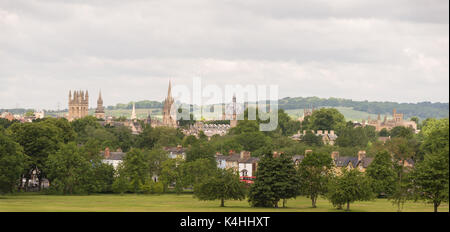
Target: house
[[176, 152], [328, 137], [113, 158], [241, 162], [361, 162]]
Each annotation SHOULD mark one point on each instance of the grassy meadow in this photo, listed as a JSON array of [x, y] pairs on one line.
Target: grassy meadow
[[181, 203]]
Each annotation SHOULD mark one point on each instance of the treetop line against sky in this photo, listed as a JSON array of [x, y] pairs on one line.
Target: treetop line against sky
[[361, 50]]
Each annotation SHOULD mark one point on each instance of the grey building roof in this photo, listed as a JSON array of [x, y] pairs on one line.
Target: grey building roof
[[114, 155]]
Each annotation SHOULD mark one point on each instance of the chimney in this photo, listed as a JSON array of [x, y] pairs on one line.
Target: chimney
[[361, 155], [245, 154], [331, 132], [335, 155], [107, 153], [308, 152]]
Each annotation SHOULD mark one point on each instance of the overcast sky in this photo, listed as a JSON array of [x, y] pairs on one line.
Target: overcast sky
[[379, 50]]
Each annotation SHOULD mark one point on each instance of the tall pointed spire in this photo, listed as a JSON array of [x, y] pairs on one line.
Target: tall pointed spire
[[133, 113]]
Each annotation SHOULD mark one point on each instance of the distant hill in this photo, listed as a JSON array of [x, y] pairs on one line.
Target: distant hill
[[352, 110], [422, 110]]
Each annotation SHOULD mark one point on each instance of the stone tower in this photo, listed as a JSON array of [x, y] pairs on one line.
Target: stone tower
[[78, 105], [233, 121], [168, 118], [100, 111]]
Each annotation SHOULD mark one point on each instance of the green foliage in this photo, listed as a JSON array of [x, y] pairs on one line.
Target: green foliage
[[162, 136], [349, 187], [275, 180], [384, 133], [200, 150], [436, 133], [68, 170], [311, 139], [172, 173], [431, 178], [38, 140], [382, 173], [403, 132], [136, 169], [196, 171], [356, 137], [13, 162], [326, 119], [421, 109], [314, 172], [223, 185], [5, 123]]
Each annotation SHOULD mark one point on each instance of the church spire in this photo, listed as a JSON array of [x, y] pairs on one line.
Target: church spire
[[133, 113]]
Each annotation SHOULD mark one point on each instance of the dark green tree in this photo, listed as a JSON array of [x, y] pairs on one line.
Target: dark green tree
[[223, 185], [326, 119], [13, 163], [275, 180], [349, 187], [314, 172], [382, 173]]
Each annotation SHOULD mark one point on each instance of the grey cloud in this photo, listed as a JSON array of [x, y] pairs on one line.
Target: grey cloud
[[353, 49]]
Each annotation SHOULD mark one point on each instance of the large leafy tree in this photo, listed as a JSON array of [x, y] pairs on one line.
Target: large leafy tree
[[13, 162], [136, 169], [326, 119], [431, 176], [403, 132], [68, 170], [223, 185], [314, 172], [431, 179], [353, 137], [200, 150], [401, 149], [382, 173], [38, 140], [349, 187], [196, 171], [275, 180], [171, 173]]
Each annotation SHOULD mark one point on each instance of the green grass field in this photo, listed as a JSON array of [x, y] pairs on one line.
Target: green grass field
[[180, 203]]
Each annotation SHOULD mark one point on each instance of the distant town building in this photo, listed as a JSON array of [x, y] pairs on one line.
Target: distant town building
[[328, 137], [7, 115], [100, 111], [306, 112], [397, 120], [208, 129], [78, 105]]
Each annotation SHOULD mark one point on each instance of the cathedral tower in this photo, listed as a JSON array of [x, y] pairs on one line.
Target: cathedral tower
[[78, 105], [168, 115]]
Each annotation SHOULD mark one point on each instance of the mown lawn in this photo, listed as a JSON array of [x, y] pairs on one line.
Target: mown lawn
[[179, 203]]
